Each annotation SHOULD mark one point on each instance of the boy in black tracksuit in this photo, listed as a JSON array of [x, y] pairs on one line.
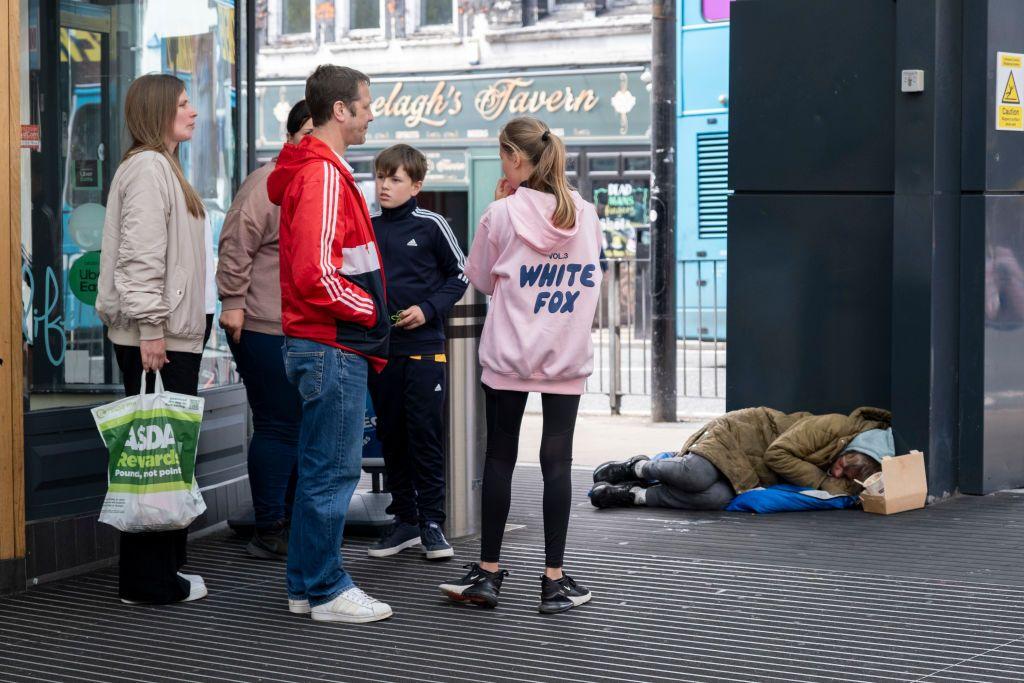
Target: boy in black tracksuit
[[423, 270]]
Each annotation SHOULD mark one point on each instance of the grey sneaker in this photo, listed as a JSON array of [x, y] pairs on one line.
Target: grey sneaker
[[435, 545], [270, 543], [397, 538]]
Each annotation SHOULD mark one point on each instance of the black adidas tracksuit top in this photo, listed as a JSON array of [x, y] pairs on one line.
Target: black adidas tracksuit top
[[423, 267]]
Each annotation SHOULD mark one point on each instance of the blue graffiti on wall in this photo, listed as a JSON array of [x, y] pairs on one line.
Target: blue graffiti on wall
[[52, 326]]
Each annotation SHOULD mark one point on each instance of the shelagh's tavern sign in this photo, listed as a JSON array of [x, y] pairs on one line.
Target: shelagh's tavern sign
[[599, 105]]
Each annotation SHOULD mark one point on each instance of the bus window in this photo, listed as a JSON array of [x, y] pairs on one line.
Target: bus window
[[715, 10]]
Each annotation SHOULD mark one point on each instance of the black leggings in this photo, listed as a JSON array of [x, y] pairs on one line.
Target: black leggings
[[504, 417]]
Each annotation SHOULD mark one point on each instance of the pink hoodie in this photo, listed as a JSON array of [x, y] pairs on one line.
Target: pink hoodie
[[545, 284]]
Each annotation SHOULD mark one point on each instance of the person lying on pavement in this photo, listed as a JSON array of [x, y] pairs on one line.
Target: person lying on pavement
[[751, 448]]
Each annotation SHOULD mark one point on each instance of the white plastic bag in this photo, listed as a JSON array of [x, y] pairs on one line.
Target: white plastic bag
[[152, 440]]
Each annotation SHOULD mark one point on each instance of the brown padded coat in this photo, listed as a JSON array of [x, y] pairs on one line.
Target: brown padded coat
[[761, 446]]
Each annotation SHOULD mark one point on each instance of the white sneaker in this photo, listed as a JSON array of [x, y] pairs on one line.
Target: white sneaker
[[298, 606], [197, 590], [192, 578], [352, 607]]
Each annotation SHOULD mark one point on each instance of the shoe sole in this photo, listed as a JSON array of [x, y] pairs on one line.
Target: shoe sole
[[303, 608], [479, 600], [388, 552], [260, 553], [440, 554], [575, 602], [199, 594], [349, 619], [582, 600]]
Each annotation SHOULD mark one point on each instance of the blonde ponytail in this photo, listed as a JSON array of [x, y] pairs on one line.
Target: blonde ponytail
[[150, 107], [533, 140]]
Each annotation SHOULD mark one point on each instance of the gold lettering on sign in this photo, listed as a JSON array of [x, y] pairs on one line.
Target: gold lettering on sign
[[512, 95], [506, 95], [426, 109]]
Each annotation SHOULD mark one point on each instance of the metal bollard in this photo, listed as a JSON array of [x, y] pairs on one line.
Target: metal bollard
[[464, 416], [614, 339]]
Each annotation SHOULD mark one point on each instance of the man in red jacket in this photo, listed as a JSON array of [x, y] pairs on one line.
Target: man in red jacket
[[335, 321]]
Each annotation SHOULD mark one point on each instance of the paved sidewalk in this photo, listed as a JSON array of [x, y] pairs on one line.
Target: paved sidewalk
[[932, 594], [600, 438]]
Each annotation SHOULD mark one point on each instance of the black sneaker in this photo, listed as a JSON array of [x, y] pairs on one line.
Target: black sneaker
[[611, 495], [396, 538], [435, 546], [479, 586], [562, 595], [270, 543], [618, 472]]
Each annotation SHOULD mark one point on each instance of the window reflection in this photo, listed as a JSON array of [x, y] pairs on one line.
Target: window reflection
[[77, 102]]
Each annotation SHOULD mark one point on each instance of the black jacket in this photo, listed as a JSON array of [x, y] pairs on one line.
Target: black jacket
[[422, 267]]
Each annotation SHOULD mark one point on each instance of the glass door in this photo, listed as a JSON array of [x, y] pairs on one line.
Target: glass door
[[84, 120]]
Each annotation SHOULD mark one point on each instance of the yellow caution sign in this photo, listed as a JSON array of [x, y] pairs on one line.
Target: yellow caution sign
[[1010, 95], [1010, 117], [1009, 112]]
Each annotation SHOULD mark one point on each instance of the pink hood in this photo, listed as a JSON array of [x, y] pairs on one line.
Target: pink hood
[[545, 284], [531, 212]]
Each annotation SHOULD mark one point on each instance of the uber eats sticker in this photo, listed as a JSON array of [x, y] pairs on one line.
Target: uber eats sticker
[[84, 277], [154, 450]]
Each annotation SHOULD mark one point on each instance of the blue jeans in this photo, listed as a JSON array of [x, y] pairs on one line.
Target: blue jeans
[[332, 385], [276, 414]]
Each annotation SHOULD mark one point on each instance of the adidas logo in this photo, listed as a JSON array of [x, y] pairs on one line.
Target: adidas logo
[[438, 388], [412, 243]]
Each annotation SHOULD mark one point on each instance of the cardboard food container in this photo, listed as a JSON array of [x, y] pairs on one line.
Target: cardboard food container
[[906, 486]]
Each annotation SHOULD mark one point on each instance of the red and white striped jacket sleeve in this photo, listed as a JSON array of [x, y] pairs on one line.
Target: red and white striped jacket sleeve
[[318, 236]]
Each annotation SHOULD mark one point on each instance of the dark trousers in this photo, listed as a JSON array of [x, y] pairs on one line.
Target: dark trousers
[[149, 561], [276, 417], [504, 418], [408, 397], [687, 482]]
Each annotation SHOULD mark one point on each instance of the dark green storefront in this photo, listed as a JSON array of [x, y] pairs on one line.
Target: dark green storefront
[[602, 113]]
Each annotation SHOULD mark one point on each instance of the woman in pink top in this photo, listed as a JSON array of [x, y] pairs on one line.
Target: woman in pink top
[[537, 253]]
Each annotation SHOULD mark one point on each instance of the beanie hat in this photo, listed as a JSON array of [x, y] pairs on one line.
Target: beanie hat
[[876, 443]]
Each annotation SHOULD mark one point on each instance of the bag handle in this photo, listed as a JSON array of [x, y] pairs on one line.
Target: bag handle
[[158, 385]]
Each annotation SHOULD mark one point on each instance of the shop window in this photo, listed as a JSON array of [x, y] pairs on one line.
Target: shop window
[[603, 163], [636, 162], [364, 15], [296, 17], [436, 13], [571, 163], [362, 168], [324, 21], [619, 186], [77, 103]]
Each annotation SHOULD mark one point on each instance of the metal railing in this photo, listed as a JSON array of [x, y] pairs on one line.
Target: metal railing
[[622, 331], [700, 312]]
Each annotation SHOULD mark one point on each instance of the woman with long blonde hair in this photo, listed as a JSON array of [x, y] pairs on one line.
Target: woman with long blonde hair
[[152, 297], [537, 253]]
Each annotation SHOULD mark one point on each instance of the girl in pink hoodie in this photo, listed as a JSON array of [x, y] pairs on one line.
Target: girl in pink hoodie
[[537, 253]]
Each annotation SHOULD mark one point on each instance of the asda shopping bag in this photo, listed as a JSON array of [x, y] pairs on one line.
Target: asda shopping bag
[[152, 440]]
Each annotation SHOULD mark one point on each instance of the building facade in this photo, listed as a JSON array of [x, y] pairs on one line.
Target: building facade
[[75, 61], [446, 75]]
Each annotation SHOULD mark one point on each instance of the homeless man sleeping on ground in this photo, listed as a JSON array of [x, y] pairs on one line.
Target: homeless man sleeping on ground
[[748, 448]]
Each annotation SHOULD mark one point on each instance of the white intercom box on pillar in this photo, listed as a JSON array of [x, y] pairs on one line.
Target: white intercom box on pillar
[[912, 80]]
